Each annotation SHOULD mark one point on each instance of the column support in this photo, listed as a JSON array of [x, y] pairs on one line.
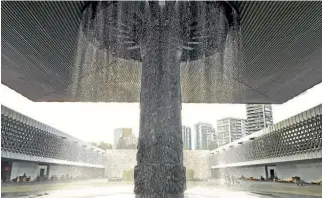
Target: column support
[[160, 172]]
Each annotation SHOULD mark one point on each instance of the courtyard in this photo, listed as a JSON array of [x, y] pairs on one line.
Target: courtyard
[[210, 188]]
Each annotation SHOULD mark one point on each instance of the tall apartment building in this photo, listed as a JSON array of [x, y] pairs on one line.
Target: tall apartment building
[[211, 136], [203, 131], [229, 130], [259, 116], [243, 127], [186, 137], [121, 132], [130, 140]]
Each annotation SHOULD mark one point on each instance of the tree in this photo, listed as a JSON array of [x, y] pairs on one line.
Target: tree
[[128, 175], [212, 145], [131, 146], [121, 144], [189, 174], [185, 147], [93, 143], [104, 145]]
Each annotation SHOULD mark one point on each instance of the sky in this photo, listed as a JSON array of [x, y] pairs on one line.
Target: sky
[[94, 122]]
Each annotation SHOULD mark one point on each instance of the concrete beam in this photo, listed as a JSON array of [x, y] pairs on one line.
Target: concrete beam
[[18, 156], [299, 157]]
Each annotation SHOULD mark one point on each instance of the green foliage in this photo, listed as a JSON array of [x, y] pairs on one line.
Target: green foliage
[[189, 174], [212, 145], [93, 143], [128, 175], [102, 145], [121, 144], [131, 146]]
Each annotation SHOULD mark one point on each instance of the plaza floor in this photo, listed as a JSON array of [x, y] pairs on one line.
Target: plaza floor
[[103, 188]]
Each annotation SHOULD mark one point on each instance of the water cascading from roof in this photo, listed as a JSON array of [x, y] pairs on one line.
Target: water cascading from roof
[[165, 45], [108, 60]]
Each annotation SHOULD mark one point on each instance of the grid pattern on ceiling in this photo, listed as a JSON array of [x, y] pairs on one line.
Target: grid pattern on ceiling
[[282, 46]]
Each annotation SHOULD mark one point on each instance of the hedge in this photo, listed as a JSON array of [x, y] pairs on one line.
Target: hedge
[[128, 175], [189, 174]]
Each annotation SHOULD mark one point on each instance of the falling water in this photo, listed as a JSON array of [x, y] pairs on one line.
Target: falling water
[[108, 63], [188, 47]]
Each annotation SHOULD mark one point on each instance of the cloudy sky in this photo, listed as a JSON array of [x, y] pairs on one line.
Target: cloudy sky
[[97, 121]]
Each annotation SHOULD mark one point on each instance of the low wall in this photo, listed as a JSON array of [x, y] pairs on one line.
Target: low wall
[[19, 168], [119, 160], [307, 170], [253, 171], [197, 160], [310, 170], [32, 169], [74, 171]]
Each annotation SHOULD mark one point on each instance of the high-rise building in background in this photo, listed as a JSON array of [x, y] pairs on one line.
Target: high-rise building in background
[[128, 142], [211, 136], [243, 127], [121, 132], [259, 116], [212, 140], [186, 137], [202, 134], [229, 130]]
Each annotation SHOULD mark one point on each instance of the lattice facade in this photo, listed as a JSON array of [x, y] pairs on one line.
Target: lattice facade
[[23, 135], [300, 134]]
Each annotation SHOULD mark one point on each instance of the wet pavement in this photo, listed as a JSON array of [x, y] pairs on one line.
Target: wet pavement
[[126, 191], [194, 190]]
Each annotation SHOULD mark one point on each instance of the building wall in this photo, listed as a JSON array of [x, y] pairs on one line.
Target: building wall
[[123, 159], [46, 141], [308, 170], [127, 132], [121, 133], [198, 160], [229, 130], [252, 171], [223, 131], [202, 130], [117, 134], [130, 139], [28, 168], [119, 160], [186, 137], [259, 116], [60, 170], [235, 129], [42, 167], [74, 171], [211, 136], [243, 127], [32, 169]]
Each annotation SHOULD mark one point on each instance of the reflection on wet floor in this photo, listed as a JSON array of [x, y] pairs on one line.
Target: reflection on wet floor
[[119, 190], [126, 191]]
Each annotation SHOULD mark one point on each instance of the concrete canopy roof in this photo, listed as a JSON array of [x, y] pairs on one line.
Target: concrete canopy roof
[[282, 52]]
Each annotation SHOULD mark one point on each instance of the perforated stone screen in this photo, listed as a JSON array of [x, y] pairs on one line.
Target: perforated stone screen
[[300, 134], [22, 135]]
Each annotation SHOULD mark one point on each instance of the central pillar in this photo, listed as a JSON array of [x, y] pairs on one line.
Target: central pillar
[[160, 172]]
